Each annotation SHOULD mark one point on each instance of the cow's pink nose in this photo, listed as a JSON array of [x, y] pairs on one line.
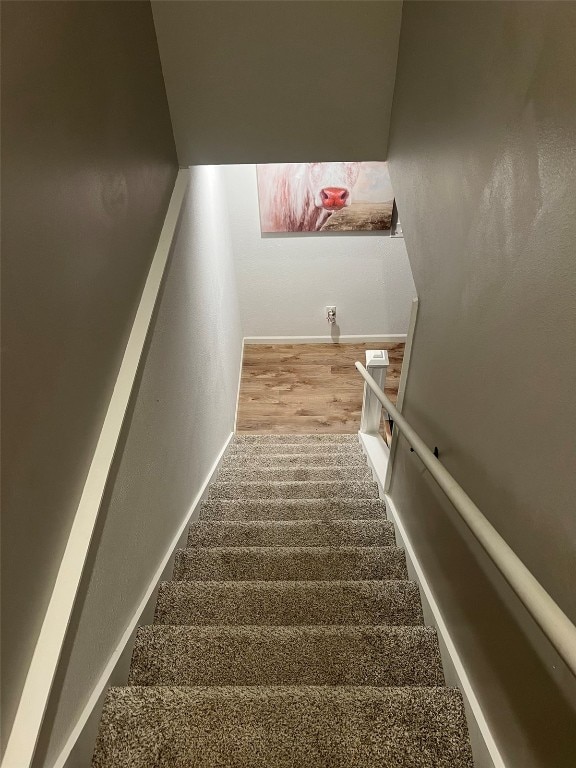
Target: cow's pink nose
[[334, 197]]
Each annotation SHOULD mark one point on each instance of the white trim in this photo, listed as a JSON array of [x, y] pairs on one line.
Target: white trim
[[38, 683], [396, 338], [102, 682], [486, 752], [407, 354], [377, 456], [239, 385], [402, 389]]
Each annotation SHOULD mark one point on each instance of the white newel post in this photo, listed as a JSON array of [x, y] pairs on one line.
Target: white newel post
[[377, 365]]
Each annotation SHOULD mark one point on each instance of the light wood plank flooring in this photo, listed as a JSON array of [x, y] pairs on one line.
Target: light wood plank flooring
[[307, 388]]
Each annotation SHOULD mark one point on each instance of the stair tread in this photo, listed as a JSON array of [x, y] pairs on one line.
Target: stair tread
[[306, 655], [289, 563], [289, 602], [209, 533], [282, 459], [283, 727], [292, 509], [332, 439], [303, 473], [327, 489], [314, 448]]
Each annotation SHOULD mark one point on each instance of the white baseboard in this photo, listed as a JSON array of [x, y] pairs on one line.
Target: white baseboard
[[99, 689], [377, 456], [395, 338], [485, 751]]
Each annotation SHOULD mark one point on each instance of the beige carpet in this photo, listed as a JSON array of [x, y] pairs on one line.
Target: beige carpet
[[290, 635]]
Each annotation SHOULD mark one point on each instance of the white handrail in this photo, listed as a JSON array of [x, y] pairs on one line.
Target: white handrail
[[551, 619], [38, 684]]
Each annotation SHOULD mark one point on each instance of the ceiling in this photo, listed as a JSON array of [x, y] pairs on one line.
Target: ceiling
[[260, 81]]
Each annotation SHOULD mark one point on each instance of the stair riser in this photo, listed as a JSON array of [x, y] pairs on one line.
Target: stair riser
[[289, 603], [293, 509], [337, 533], [325, 727], [295, 490], [295, 474], [377, 656], [289, 564]]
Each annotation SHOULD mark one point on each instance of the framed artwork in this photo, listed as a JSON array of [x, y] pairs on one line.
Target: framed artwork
[[325, 197]]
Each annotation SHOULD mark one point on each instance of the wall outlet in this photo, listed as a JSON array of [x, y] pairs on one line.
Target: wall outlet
[[330, 309], [331, 315]]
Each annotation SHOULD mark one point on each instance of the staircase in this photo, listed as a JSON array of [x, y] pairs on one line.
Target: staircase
[[289, 635]]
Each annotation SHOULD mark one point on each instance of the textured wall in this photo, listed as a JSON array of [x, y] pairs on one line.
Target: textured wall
[[483, 162], [88, 165], [286, 281], [182, 414], [279, 81]]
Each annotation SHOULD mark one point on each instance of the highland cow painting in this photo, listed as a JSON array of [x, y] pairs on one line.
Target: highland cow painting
[[325, 197]]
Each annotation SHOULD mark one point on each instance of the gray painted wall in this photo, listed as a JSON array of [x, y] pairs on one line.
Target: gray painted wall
[[180, 418], [261, 82], [483, 162], [286, 281], [88, 165]]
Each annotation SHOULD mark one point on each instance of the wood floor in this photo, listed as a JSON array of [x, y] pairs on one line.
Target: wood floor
[[307, 388]]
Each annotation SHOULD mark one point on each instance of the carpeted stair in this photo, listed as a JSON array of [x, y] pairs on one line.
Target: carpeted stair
[[289, 635]]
